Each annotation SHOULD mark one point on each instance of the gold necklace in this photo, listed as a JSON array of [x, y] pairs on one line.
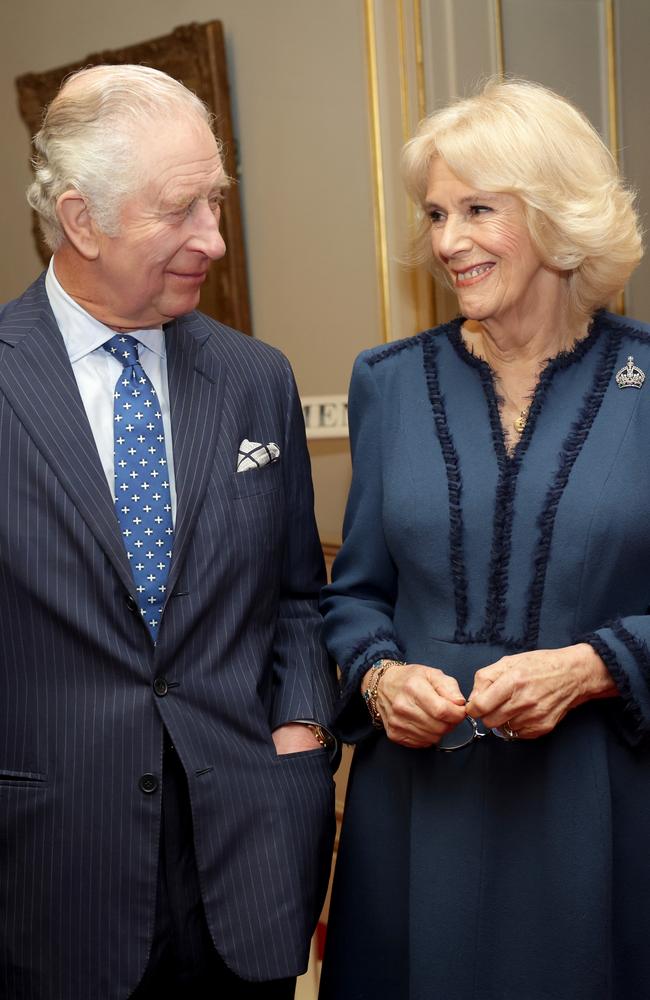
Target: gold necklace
[[519, 423]]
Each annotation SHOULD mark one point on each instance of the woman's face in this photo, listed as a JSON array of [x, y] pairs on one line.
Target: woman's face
[[482, 241]]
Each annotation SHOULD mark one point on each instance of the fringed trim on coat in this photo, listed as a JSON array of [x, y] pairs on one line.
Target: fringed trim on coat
[[355, 664], [454, 480], [639, 336], [504, 496], [509, 466], [570, 451], [401, 345], [636, 647], [620, 678]]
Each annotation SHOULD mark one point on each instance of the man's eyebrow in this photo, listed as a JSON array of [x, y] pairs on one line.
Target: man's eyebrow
[[183, 200]]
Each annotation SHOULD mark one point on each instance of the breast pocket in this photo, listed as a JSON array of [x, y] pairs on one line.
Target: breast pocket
[[255, 482]]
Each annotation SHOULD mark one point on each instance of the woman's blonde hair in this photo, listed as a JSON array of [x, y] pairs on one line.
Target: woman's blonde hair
[[521, 138]]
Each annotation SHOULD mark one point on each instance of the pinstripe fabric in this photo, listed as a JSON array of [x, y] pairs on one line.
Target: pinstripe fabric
[[239, 646]]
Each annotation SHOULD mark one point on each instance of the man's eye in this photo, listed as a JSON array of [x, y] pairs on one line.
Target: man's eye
[[181, 213]]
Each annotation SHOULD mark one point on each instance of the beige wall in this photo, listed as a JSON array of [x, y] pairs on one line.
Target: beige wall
[[298, 77], [633, 37]]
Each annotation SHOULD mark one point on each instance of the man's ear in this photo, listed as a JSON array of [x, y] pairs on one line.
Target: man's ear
[[77, 224]]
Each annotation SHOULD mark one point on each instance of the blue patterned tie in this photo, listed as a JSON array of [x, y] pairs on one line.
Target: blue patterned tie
[[142, 496]]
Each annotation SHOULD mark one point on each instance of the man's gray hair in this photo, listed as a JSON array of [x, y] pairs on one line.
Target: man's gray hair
[[91, 137]]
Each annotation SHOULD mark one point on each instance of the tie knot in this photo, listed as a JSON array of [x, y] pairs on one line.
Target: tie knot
[[123, 348]]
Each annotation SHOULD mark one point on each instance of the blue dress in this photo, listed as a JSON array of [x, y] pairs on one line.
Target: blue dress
[[502, 871]]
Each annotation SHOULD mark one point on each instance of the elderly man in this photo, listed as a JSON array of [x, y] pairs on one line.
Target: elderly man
[[166, 795]]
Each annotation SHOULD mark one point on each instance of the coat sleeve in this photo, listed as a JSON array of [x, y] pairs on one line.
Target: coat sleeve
[[304, 677], [624, 647], [358, 604]]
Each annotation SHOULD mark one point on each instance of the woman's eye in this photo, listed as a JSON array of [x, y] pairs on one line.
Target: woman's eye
[[479, 209], [435, 216]]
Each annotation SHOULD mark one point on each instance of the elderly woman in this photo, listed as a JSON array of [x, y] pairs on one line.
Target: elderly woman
[[491, 595]]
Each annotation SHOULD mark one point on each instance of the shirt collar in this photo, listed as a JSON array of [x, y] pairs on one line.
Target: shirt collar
[[81, 332]]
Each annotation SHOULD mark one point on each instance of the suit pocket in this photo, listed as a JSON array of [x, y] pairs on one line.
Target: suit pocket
[[304, 754], [255, 482], [24, 779]]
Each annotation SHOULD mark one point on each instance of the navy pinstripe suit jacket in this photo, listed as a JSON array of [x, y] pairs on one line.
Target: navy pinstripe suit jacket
[[239, 646]]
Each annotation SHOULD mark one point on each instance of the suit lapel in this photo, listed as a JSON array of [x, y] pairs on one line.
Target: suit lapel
[[196, 385], [37, 379]]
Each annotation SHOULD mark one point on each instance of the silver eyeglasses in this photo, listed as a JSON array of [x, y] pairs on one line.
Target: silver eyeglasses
[[468, 731]]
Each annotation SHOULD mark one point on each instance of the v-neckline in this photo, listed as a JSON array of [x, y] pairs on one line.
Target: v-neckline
[[512, 458]]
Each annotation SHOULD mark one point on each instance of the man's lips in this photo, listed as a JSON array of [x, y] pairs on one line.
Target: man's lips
[[472, 275]]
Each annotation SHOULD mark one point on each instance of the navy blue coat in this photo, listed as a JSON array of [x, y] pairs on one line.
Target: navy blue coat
[[503, 871], [239, 646]]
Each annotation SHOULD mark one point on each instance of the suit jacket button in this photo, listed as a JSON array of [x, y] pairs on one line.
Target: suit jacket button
[[160, 686], [131, 603], [148, 783]]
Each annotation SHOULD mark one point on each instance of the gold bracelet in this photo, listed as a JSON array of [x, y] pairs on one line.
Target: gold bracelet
[[371, 692]]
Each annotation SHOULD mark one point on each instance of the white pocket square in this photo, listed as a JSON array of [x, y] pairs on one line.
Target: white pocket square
[[253, 455]]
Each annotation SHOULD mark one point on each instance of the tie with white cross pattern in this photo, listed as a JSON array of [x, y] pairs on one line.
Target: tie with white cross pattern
[[142, 496]]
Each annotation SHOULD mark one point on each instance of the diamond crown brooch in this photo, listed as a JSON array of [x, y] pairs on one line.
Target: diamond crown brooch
[[630, 376]]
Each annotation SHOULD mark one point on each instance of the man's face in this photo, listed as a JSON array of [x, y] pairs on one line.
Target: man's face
[[169, 233]]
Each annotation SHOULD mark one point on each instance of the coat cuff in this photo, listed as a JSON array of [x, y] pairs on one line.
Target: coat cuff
[[352, 721], [618, 653]]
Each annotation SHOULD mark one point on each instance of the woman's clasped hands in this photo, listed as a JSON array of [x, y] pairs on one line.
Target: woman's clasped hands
[[524, 695]]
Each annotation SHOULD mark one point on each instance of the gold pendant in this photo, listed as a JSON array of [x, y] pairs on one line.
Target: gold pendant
[[520, 421]]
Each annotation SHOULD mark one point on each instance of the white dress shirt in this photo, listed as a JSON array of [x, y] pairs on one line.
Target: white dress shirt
[[96, 372]]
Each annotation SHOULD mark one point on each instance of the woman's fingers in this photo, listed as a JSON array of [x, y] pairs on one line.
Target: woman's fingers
[[446, 686], [493, 688], [419, 704], [531, 692]]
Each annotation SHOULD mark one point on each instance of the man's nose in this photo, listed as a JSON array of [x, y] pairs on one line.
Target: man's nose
[[208, 238]]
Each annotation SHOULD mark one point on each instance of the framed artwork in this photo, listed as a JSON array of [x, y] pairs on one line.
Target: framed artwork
[[195, 55]]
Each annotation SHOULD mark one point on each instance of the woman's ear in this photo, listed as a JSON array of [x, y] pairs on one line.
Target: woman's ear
[[77, 224]]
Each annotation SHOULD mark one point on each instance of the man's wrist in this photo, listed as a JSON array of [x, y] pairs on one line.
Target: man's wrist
[[320, 733]]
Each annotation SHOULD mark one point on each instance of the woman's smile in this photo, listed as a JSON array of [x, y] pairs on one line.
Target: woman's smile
[[472, 275]]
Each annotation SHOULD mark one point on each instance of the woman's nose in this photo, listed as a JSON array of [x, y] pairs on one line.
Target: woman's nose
[[452, 237]]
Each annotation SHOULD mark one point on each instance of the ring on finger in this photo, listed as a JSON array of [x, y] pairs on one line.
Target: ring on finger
[[508, 731]]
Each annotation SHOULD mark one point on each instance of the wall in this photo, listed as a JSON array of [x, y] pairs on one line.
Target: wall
[[298, 77], [633, 36]]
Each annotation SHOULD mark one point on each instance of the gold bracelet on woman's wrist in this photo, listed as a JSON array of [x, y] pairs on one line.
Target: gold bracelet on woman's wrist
[[370, 694]]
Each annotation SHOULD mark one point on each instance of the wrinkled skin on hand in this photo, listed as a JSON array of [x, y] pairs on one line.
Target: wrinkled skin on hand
[[532, 692], [418, 704]]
